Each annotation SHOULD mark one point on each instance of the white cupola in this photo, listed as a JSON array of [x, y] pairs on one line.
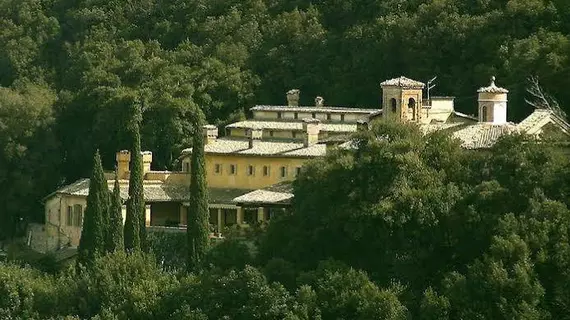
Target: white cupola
[[493, 104]]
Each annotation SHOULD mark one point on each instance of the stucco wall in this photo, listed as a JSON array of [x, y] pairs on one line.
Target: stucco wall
[[279, 134], [241, 180]]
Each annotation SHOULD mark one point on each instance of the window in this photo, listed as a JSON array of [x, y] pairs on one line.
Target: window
[[393, 105], [283, 172], [229, 216], [484, 114], [266, 171], [342, 117], [250, 216], [294, 134], [297, 171], [250, 170], [186, 166], [279, 115], [296, 115], [233, 169], [271, 133], [69, 220], [412, 107], [77, 215], [313, 115], [217, 168], [329, 116]]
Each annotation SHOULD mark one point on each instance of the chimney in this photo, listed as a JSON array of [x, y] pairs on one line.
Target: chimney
[[210, 133], [147, 160], [293, 97], [254, 135], [123, 159], [312, 127], [319, 102], [362, 125]]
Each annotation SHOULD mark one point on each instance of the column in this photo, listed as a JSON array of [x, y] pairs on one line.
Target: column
[[147, 215], [260, 214], [220, 221], [239, 216], [182, 215]]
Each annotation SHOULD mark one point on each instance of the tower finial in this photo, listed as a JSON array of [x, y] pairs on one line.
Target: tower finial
[[493, 81]]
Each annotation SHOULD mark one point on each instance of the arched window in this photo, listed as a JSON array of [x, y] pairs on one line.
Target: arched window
[[484, 114], [412, 107], [393, 105]]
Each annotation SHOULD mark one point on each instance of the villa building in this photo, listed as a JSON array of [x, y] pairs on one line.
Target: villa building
[[250, 169]]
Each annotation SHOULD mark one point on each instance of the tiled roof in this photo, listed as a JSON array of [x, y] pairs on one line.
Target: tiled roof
[[313, 109], [155, 191], [297, 126], [280, 193], [472, 136], [483, 135], [261, 148], [403, 82], [432, 127], [538, 118], [492, 88]]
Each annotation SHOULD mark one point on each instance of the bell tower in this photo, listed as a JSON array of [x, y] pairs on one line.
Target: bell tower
[[402, 99], [493, 104]]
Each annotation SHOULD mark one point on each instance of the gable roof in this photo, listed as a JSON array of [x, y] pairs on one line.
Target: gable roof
[[279, 194], [290, 125], [403, 82], [154, 191], [311, 109], [539, 118], [230, 146], [483, 135]]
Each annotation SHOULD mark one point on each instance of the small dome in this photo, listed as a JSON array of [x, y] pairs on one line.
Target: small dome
[[492, 88]]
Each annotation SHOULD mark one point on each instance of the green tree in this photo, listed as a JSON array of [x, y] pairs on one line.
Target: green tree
[[115, 240], [345, 293], [198, 213], [135, 229], [29, 156], [500, 285], [92, 242]]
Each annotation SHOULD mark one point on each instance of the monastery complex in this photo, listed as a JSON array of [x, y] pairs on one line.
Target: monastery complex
[[250, 169]]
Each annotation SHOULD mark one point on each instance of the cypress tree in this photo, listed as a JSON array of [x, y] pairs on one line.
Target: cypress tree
[[92, 242], [134, 222], [198, 214], [115, 226]]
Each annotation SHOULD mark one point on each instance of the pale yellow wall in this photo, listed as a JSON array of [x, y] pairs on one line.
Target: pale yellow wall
[[441, 110], [278, 134], [241, 180], [56, 219], [264, 115], [169, 177], [71, 232], [52, 218], [290, 115], [402, 97], [492, 96]]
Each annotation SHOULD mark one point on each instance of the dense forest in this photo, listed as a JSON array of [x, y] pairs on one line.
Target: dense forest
[[405, 226], [68, 69]]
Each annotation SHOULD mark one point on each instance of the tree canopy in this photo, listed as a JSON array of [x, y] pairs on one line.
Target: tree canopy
[[225, 56]]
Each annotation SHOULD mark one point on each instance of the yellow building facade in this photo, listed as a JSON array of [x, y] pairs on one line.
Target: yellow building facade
[[249, 170]]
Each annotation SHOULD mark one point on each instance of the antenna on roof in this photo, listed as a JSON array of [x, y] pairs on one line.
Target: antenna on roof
[[430, 86]]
